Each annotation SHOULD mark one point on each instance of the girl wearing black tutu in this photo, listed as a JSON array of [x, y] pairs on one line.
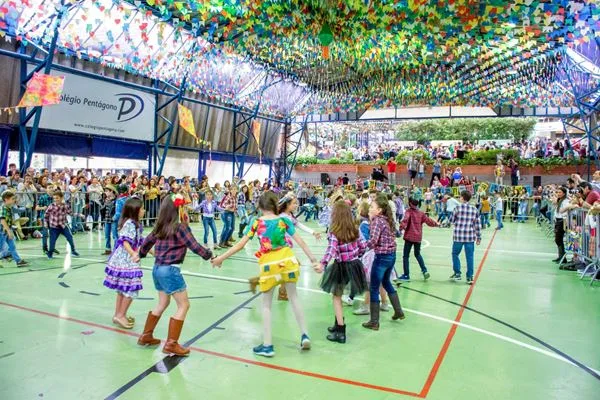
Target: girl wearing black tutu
[[345, 248]]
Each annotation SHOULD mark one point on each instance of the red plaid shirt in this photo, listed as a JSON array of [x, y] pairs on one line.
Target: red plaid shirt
[[172, 250], [381, 239], [229, 203], [56, 215], [343, 252]]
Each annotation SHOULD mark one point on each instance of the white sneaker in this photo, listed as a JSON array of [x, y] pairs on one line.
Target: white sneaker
[[384, 307], [347, 300], [362, 310]]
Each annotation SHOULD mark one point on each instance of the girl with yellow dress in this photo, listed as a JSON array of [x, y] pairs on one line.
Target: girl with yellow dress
[[277, 266]]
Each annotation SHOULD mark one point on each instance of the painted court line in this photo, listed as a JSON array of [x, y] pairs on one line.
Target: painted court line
[[442, 354], [470, 327], [423, 314], [226, 356]]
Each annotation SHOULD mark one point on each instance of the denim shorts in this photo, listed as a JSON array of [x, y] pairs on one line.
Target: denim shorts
[[168, 279]]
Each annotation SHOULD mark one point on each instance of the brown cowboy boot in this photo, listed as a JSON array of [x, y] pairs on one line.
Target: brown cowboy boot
[[398, 313], [374, 321], [171, 346], [282, 296], [254, 281], [147, 339]]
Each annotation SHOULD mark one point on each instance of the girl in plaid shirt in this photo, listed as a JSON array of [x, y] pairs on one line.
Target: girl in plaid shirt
[[171, 237], [383, 241], [345, 248]]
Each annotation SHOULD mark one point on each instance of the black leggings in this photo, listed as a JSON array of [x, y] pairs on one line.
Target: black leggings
[[559, 236]]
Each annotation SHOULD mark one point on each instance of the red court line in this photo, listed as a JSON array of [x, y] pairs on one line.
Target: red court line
[[226, 356], [444, 350]]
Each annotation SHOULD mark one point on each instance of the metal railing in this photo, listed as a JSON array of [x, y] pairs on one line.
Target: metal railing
[[581, 242]]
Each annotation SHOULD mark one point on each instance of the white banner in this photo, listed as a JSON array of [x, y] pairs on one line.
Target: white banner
[[96, 107]]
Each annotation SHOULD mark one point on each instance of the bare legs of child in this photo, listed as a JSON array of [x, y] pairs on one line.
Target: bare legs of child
[[175, 323], [121, 306], [282, 293], [266, 349], [338, 331]]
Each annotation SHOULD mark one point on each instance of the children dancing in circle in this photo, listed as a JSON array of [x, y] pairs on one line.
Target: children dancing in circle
[[278, 266], [123, 272], [171, 237], [345, 248], [383, 241]]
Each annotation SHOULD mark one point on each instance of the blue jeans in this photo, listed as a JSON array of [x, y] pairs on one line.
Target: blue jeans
[[499, 219], [168, 279], [45, 238], [381, 272], [241, 212], [536, 209], [209, 222], [115, 226], [485, 219], [12, 248], [108, 230], [522, 212], [228, 224], [66, 232], [469, 251]]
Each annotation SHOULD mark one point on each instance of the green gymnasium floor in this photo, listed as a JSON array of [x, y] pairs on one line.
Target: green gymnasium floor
[[525, 330]]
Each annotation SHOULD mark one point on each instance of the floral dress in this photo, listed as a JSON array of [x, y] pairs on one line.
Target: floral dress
[[122, 273], [276, 260]]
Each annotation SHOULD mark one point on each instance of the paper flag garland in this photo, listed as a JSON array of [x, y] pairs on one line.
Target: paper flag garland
[[186, 120], [42, 90], [410, 52]]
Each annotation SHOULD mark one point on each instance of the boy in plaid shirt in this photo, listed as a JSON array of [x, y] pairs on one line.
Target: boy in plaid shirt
[[467, 231], [6, 220], [56, 222]]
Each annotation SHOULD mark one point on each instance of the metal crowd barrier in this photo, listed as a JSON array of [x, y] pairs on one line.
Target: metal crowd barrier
[[29, 211], [581, 241]]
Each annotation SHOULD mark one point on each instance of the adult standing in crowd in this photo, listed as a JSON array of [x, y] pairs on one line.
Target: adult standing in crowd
[[391, 166], [561, 208], [467, 232], [514, 172], [437, 170], [590, 195]]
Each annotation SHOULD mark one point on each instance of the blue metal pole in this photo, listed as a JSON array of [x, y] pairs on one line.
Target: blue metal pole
[[169, 131], [30, 143]]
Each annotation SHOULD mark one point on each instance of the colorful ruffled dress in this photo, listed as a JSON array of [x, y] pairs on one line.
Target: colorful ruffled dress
[[122, 274], [276, 260]]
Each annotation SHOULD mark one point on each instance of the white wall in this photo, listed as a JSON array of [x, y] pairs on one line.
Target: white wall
[[181, 163], [220, 171]]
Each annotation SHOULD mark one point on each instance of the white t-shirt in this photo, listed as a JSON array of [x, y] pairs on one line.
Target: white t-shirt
[[451, 204]]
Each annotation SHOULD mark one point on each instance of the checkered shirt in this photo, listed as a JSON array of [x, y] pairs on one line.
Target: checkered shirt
[[382, 239], [467, 225], [343, 251], [172, 250], [56, 215], [229, 203], [7, 215]]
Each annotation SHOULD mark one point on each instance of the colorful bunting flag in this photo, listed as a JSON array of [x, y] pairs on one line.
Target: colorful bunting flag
[[42, 90]]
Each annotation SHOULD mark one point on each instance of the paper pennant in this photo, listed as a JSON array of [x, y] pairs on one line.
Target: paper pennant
[[186, 120], [42, 90], [383, 54]]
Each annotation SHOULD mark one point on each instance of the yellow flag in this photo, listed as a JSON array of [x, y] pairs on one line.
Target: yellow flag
[[186, 120]]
